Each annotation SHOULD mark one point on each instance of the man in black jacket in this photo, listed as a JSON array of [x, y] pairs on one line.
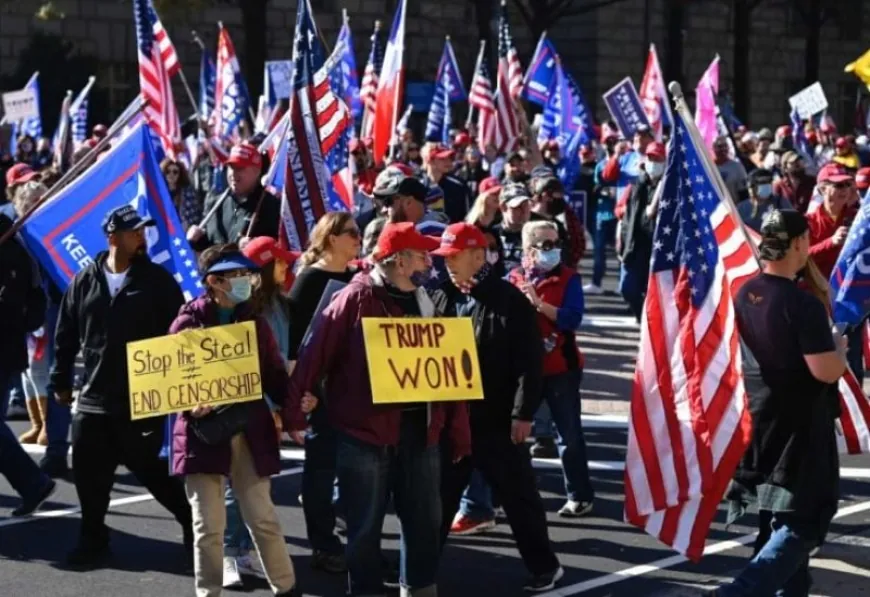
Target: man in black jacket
[[511, 354], [121, 297], [244, 201]]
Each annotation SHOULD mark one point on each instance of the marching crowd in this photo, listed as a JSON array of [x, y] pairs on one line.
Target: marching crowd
[[436, 231]]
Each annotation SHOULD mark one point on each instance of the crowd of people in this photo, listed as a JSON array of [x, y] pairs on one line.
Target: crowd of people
[[436, 231]]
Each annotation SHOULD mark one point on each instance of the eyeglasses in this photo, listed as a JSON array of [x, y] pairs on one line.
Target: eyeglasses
[[548, 245], [351, 232], [173, 172]]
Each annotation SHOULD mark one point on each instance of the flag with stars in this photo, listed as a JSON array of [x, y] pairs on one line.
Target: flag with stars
[[348, 84], [448, 89], [66, 234], [690, 423]]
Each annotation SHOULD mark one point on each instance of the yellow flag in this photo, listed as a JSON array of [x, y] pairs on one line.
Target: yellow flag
[[861, 68]]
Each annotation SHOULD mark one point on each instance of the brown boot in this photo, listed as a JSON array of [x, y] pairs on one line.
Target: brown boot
[[30, 436], [42, 438]]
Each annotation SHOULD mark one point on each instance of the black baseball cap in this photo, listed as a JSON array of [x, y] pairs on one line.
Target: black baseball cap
[[125, 218], [760, 176]]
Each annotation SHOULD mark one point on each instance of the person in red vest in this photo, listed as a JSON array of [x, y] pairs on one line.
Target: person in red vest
[[556, 293]]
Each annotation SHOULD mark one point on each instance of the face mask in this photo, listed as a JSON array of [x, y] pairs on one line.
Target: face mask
[[421, 277], [491, 257], [764, 191], [556, 206], [548, 260], [655, 169], [240, 289]]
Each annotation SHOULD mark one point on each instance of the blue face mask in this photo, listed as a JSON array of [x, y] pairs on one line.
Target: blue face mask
[[764, 191], [240, 289], [421, 277], [548, 260]]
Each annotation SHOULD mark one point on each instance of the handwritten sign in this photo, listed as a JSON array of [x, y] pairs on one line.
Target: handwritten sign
[[425, 359], [809, 101], [20, 105], [213, 366], [625, 107]]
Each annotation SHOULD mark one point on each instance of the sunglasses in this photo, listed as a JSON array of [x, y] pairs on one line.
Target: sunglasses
[[173, 172], [351, 232], [548, 245]]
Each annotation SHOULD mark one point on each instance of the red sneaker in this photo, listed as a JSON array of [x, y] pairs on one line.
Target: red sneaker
[[462, 525]]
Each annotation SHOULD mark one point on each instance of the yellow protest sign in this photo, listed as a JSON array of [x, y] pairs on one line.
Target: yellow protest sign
[[426, 359], [213, 366]]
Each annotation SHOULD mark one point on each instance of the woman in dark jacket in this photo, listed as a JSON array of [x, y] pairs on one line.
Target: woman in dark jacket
[[249, 458]]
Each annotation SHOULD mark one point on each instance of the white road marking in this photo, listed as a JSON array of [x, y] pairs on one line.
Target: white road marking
[[675, 560], [609, 321]]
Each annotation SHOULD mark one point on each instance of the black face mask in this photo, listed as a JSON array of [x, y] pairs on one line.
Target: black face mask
[[556, 207]]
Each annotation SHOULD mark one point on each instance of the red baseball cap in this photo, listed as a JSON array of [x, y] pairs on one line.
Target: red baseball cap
[[458, 237], [439, 152], [19, 174], [402, 236], [842, 143], [264, 249], [462, 139], [862, 179], [245, 155], [656, 150], [490, 184], [833, 172], [783, 131]]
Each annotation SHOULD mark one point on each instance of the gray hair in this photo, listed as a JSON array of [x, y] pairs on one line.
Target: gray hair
[[28, 194], [530, 230]]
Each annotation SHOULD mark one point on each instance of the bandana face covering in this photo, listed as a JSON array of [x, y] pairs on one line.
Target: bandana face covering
[[482, 273]]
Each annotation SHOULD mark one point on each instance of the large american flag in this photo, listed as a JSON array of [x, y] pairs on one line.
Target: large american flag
[[504, 130], [689, 421], [369, 85], [157, 63]]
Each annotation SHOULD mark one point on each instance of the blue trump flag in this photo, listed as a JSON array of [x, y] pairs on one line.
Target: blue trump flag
[[207, 80], [448, 89], [566, 119], [348, 89], [66, 233], [626, 108], [850, 280], [541, 73]]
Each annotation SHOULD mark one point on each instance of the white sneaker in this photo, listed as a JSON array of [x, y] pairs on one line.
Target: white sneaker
[[232, 574], [573, 509], [592, 289], [249, 565]]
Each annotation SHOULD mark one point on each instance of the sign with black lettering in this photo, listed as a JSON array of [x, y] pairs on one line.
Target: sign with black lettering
[[422, 359], [20, 105], [213, 366]]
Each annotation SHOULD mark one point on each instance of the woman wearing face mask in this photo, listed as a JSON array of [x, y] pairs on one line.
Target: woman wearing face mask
[[761, 199], [250, 457], [635, 231]]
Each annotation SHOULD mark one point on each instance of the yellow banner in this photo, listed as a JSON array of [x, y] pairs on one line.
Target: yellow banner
[[213, 366], [426, 359]]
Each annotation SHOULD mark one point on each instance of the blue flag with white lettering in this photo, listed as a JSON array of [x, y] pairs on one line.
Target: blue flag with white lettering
[[66, 233], [850, 280], [541, 73], [448, 89]]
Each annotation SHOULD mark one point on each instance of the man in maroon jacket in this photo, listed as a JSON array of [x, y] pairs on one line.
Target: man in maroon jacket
[[383, 450]]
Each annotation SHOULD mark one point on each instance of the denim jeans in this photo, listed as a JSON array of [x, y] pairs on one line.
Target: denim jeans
[[237, 538], [632, 286], [542, 426], [368, 475], [781, 566], [604, 235], [59, 416], [15, 464], [562, 394], [476, 502], [319, 490]]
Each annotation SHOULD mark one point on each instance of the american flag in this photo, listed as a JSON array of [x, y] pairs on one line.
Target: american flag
[[338, 163], [504, 130], [369, 86], [157, 63], [689, 420], [480, 96], [514, 69]]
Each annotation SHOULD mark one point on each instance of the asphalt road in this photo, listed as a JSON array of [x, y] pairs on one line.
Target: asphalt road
[[601, 554]]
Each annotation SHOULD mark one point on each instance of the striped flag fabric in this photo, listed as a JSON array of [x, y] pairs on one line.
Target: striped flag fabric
[[231, 95], [79, 114], [369, 85], [157, 63], [653, 95], [480, 96], [504, 129], [340, 196], [689, 423], [391, 83]]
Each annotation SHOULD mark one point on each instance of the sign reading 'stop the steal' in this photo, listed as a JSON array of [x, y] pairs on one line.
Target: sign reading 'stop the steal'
[[427, 359]]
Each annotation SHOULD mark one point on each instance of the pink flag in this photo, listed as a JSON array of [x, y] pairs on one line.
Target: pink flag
[[705, 103], [652, 94]]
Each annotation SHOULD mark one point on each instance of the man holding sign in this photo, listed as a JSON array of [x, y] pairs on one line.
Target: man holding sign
[[388, 448]]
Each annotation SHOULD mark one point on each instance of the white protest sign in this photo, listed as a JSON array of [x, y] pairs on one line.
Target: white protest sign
[[19, 105], [280, 73], [809, 101]]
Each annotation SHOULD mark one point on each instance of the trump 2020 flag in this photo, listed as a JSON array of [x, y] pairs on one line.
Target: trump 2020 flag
[[349, 87], [850, 280], [448, 89], [231, 93], [66, 233], [566, 111], [541, 73]]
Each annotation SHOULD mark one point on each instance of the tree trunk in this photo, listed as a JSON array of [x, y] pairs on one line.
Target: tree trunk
[[742, 31], [675, 18], [254, 24], [814, 35], [483, 15]]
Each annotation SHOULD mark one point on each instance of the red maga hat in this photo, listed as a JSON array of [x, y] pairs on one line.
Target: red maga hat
[[245, 155], [458, 237], [402, 236]]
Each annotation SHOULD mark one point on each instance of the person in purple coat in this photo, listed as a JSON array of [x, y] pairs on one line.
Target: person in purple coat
[[249, 458]]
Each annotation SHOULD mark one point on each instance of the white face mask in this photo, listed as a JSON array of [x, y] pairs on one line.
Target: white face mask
[[655, 169]]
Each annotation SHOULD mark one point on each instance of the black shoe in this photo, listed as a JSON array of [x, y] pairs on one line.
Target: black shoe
[[54, 466], [28, 507], [333, 563], [544, 582], [84, 558], [544, 447], [390, 573], [294, 592]]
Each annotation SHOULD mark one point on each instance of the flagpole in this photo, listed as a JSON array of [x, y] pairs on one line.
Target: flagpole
[[477, 64], [186, 86], [129, 114]]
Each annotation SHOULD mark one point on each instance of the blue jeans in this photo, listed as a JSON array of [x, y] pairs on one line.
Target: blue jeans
[[368, 475], [542, 426], [59, 416], [632, 286], [562, 394], [237, 539], [476, 502], [605, 232], [781, 567], [319, 490], [15, 464]]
